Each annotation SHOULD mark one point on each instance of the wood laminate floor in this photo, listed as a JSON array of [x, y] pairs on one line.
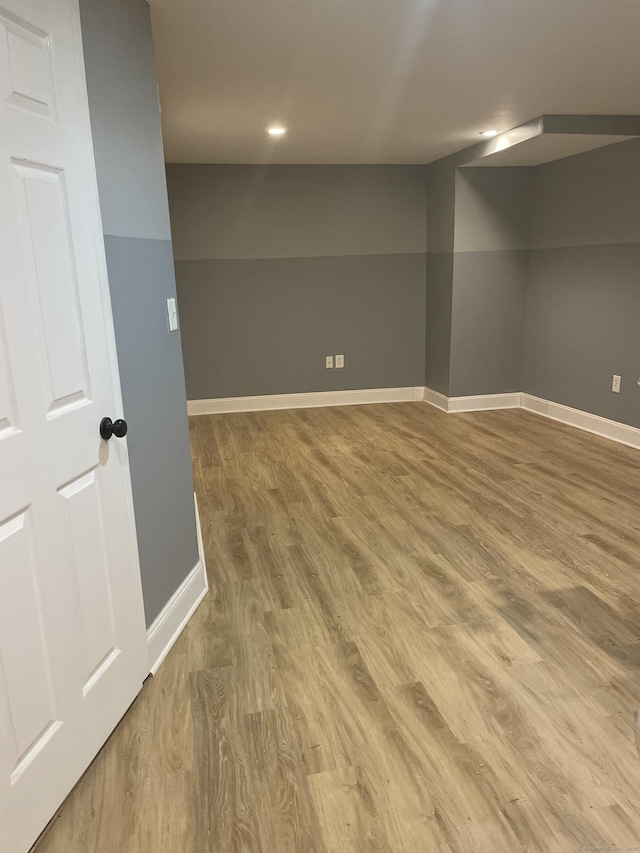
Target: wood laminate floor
[[423, 634]]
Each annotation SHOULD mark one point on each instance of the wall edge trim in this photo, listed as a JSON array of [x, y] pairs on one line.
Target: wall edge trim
[[310, 400], [595, 424], [435, 398], [485, 402], [174, 616], [473, 403]]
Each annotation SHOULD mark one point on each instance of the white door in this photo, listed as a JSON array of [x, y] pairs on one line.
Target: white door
[[72, 639]]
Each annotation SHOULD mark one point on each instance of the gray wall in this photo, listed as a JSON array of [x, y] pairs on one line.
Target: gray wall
[[125, 123], [532, 280], [441, 202], [592, 199], [477, 237], [492, 217], [493, 209], [583, 292], [529, 280], [438, 307], [487, 327], [279, 266]]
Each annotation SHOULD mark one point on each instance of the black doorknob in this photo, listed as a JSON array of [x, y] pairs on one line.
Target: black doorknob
[[108, 428]]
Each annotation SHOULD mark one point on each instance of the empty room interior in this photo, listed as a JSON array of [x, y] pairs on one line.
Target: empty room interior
[[319, 426]]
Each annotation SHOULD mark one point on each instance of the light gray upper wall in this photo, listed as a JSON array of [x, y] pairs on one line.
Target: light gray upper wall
[[493, 209], [247, 212], [441, 204], [127, 137], [128, 151], [587, 200]]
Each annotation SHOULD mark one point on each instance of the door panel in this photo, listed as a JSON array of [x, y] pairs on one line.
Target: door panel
[[28, 72], [72, 634], [28, 677], [84, 510], [43, 217]]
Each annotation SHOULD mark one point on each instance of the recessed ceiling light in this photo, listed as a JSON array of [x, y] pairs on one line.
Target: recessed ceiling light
[[489, 134], [276, 130]]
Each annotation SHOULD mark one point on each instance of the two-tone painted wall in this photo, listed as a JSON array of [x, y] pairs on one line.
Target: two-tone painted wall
[[532, 280], [489, 283], [583, 288], [477, 257], [125, 122], [441, 206], [527, 280], [280, 266]]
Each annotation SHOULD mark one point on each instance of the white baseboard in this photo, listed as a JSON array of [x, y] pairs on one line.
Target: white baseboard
[[175, 615], [622, 433], [477, 403], [435, 398], [484, 402], [311, 400]]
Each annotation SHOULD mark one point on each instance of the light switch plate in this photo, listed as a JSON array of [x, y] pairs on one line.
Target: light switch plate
[[172, 311]]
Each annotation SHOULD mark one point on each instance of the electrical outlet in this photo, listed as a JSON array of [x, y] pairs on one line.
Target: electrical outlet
[[329, 361], [615, 385], [339, 361]]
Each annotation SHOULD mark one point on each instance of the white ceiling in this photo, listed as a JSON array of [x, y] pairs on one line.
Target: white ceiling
[[382, 81]]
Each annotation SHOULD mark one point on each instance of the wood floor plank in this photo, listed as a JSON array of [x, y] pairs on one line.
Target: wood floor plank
[[226, 812], [208, 635], [348, 812], [422, 634], [287, 818], [256, 676]]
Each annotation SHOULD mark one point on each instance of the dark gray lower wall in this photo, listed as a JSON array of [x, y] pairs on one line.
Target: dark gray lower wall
[[253, 327], [487, 326], [583, 309], [438, 321], [141, 278]]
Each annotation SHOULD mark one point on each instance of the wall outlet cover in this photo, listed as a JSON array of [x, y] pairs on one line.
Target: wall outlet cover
[[172, 312], [615, 385], [339, 361], [329, 361]]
